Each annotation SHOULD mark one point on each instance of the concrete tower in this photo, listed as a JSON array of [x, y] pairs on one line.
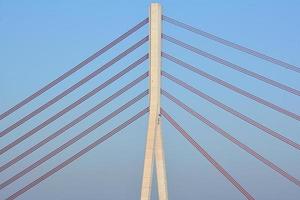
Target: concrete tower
[[154, 144]]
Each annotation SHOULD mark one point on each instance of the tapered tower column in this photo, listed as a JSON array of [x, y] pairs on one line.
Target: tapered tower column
[[154, 143]]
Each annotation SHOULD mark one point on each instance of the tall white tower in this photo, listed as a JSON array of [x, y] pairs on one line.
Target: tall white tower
[[154, 144]]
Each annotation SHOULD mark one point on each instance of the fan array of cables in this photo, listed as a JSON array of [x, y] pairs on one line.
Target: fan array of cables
[[196, 70]]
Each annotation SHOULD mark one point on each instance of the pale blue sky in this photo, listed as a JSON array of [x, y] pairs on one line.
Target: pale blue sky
[[40, 40]]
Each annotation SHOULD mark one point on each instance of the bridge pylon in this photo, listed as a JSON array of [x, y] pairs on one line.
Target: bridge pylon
[[154, 144]]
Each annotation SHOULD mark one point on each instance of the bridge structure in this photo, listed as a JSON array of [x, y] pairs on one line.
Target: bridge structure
[[154, 160]]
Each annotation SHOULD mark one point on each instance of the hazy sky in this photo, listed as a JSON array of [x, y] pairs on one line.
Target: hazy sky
[[40, 40]]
